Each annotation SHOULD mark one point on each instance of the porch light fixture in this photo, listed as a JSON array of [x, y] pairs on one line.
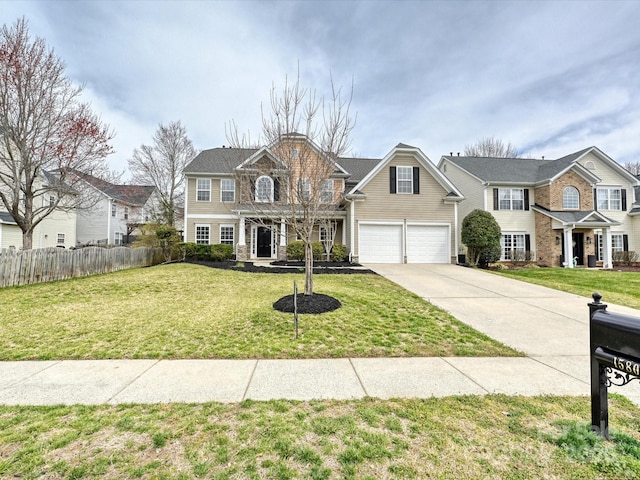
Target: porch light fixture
[[588, 240], [557, 240]]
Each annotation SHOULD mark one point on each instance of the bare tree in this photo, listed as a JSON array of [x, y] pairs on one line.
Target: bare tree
[[632, 167], [296, 184], [491, 147], [45, 133], [161, 165]]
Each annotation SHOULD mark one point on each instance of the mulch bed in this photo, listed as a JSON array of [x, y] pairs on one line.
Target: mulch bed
[[316, 303], [282, 267]]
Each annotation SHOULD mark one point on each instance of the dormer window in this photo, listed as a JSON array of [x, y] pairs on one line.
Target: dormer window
[[264, 189], [570, 198]]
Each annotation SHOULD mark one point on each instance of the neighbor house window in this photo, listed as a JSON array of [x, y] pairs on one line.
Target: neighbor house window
[[118, 238], [227, 234], [570, 198], [511, 198], [203, 190], [114, 209], [609, 199], [52, 200], [264, 189], [405, 179], [304, 189], [327, 191], [60, 240], [202, 234], [126, 213], [227, 190], [513, 246]]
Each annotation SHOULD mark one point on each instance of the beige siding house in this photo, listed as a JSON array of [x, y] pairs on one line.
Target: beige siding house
[[397, 209], [576, 210]]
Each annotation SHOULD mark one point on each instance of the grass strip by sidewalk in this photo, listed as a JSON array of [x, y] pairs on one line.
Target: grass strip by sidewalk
[[621, 288], [191, 311], [496, 437]]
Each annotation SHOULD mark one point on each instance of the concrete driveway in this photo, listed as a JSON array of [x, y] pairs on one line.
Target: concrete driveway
[[547, 325]]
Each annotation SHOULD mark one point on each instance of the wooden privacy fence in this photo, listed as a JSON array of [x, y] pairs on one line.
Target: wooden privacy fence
[[23, 267]]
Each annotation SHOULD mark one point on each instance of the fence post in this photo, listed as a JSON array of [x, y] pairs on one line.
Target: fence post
[[599, 389]]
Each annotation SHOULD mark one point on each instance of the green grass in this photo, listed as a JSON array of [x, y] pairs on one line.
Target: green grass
[[191, 311], [450, 438], [621, 288]]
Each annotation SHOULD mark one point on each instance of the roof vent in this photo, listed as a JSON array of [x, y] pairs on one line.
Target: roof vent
[[543, 157], [458, 153], [451, 154]]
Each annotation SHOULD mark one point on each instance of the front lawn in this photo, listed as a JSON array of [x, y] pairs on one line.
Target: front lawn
[[192, 311], [622, 288], [452, 438]]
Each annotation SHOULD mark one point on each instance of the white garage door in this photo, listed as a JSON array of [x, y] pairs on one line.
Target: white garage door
[[380, 243], [428, 244]]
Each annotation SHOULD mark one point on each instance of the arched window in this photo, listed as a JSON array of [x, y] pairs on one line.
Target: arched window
[[590, 165], [264, 189], [570, 198]]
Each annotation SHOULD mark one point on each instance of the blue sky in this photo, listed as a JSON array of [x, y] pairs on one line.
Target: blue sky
[[550, 77]]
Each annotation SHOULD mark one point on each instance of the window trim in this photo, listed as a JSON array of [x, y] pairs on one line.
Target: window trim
[[233, 233], [261, 199], [514, 244], [58, 236], [405, 181], [608, 200], [114, 208], [327, 195], [511, 200], [232, 190], [195, 231], [573, 190], [201, 189], [304, 189]]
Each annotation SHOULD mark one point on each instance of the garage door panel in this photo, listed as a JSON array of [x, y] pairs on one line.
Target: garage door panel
[[380, 243], [427, 244]]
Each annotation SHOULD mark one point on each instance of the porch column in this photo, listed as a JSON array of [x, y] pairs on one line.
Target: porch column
[[283, 233], [568, 247], [607, 246], [241, 234]]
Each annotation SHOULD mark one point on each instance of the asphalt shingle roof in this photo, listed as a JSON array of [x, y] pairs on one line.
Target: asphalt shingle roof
[[131, 194], [6, 217], [516, 170]]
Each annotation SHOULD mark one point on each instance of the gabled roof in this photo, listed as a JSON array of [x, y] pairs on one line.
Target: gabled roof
[[131, 194], [358, 168], [452, 192], [530, 170], [591, 218], [222, 160]]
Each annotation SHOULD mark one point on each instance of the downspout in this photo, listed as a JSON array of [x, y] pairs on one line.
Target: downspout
[[456, 245]]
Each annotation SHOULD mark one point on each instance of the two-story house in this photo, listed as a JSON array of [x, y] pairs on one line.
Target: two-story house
[[398, 209], [117, 212], [575, 210]]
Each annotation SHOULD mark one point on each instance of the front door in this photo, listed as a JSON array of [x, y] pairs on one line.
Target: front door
[[578, 248], [263, 248]]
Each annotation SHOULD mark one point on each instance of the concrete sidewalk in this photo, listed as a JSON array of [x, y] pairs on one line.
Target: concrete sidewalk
[[550, 327], [195, 381]]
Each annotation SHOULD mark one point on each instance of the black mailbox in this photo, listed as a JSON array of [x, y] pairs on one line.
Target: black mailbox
[[615, 345]]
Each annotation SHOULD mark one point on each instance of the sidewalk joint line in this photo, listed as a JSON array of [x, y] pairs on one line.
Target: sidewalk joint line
[[464, 374], [244, 394], [557, 369], [133, 381], [366, 394], [17, 382]]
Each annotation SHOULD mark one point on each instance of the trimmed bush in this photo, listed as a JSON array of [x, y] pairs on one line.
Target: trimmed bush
[[339, 253], [295, 251], [318, 251], [221, 252]]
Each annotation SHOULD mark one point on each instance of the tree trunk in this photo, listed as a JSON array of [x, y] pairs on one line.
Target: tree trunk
[[308, 268], [27, 240]]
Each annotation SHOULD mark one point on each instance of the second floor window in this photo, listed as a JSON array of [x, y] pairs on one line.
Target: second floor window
[[227, 190], [114, 209], [304, 189], [203, 190], [327, 191], [570, 198], [511, 199], [264, 189], [60, 239], [126, 213], [609, 199]]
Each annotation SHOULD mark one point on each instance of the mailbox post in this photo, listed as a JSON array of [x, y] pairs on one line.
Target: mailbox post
[[614, 345]]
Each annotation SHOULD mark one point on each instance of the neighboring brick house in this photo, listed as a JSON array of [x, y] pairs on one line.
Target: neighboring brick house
[[576, 209], [398, 209]]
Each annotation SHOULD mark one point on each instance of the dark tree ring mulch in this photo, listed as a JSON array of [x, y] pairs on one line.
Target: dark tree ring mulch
[[316, 303]]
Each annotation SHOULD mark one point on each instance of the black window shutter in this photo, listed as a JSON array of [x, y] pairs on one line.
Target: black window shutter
[[623, 194], [527, 242], [595, 199], [526, 199], [625, 243], [276, 190], [496, 205], [392, 179], [416, 180], [252, 183]]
